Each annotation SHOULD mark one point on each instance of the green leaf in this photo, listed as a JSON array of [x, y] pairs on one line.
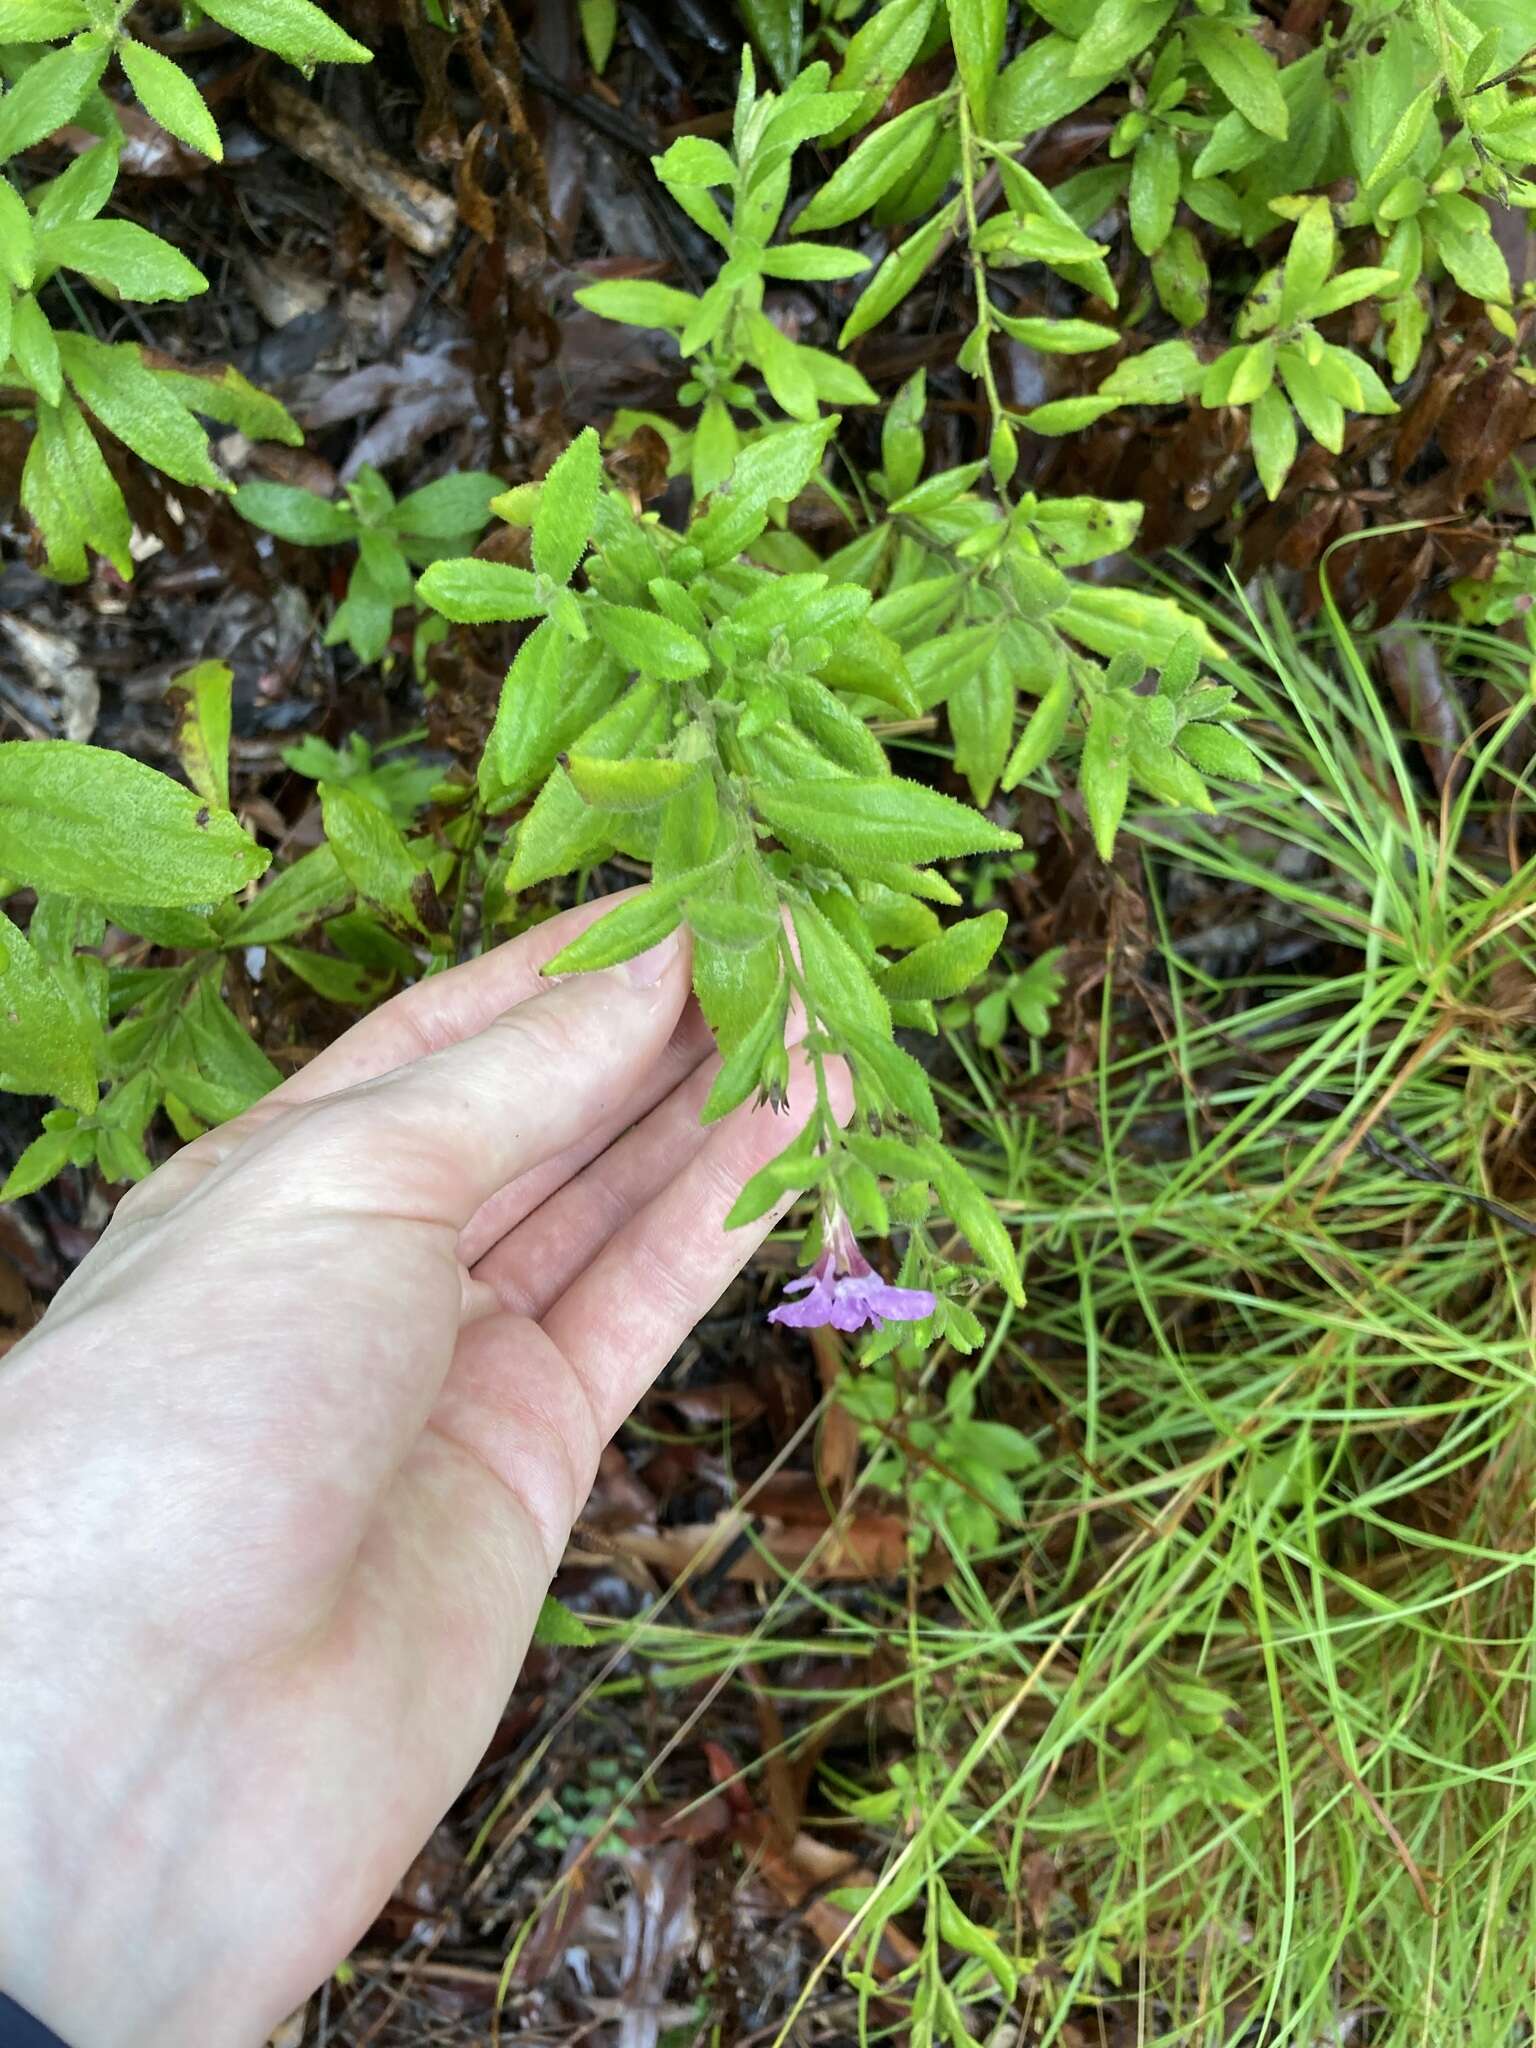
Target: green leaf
[[81, 191], [110, 380], [1067, 415], [773, 469], [1105, 775], [1057, 337], [874, 822], [223, 394], [1121, 30], [635, 785], [44, 1047], [295, 515], [901, 436], [380, 582], [41, 21], [695, 160], [523, 741], [51, 92], [1044, 83], [788, 378], [867, 173], [17, 258], [838, 985], [956, 1927], [1350, 286], [555, 1627], [776, 28], [1254, 374], [1353, 382], [372, 853], [976, 30], [227, 1054], [883, 1069], [838, 733], [639, 302], [971, 1210], [567, 508], [898, 274], [1216, 750], [1272, 427], [473, 593], [122, 258], [1165, 775], [981, 712], [167, 94], [559, 834], [797, 1167], [1407, 133], [1465, 244], [1043, 230], [735, 983], [880, 52], [1109, 618], [200, 699], [190, 929], [1159, 375], [648, 642], [36, 349], [1181, 279], [1308, 261], [599, 26], [937, 492], [727, 921], [1155, 174], [1321, 413], [451, 508], [44, 1157], [835, 381], [339, 981], [638, 923], [90, 822], [743, 1069], [193, 1102], [72, 495], [1244, 71], [300, 896], [1042, 733], [946, 966], [292, 28], [811, 261]]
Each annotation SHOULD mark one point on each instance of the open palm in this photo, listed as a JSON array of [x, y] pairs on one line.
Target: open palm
[[292, 1457]]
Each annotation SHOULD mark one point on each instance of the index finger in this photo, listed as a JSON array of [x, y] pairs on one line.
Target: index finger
[[432, 1015]]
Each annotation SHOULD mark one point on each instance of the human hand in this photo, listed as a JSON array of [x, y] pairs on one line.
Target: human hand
[[294, 1454]]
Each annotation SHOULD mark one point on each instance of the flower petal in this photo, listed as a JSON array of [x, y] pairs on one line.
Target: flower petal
[[849, 1312], [901, 1304], [817, 1308]]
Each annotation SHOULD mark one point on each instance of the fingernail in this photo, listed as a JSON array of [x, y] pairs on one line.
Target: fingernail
[[647, 969]]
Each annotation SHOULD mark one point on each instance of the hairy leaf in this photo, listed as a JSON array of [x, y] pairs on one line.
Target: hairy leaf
[[89, 822], [294, 29], [567, 507], [120, 257], [878, 821], [44, 1049], [165, 92], [51, 92]]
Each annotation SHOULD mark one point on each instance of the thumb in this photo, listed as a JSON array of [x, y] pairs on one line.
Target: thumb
[[437, 1138]]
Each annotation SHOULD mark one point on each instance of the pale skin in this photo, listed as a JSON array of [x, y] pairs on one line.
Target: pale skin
[[292, 1457]]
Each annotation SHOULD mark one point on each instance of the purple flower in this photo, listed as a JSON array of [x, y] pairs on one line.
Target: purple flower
[[843, 1289]]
